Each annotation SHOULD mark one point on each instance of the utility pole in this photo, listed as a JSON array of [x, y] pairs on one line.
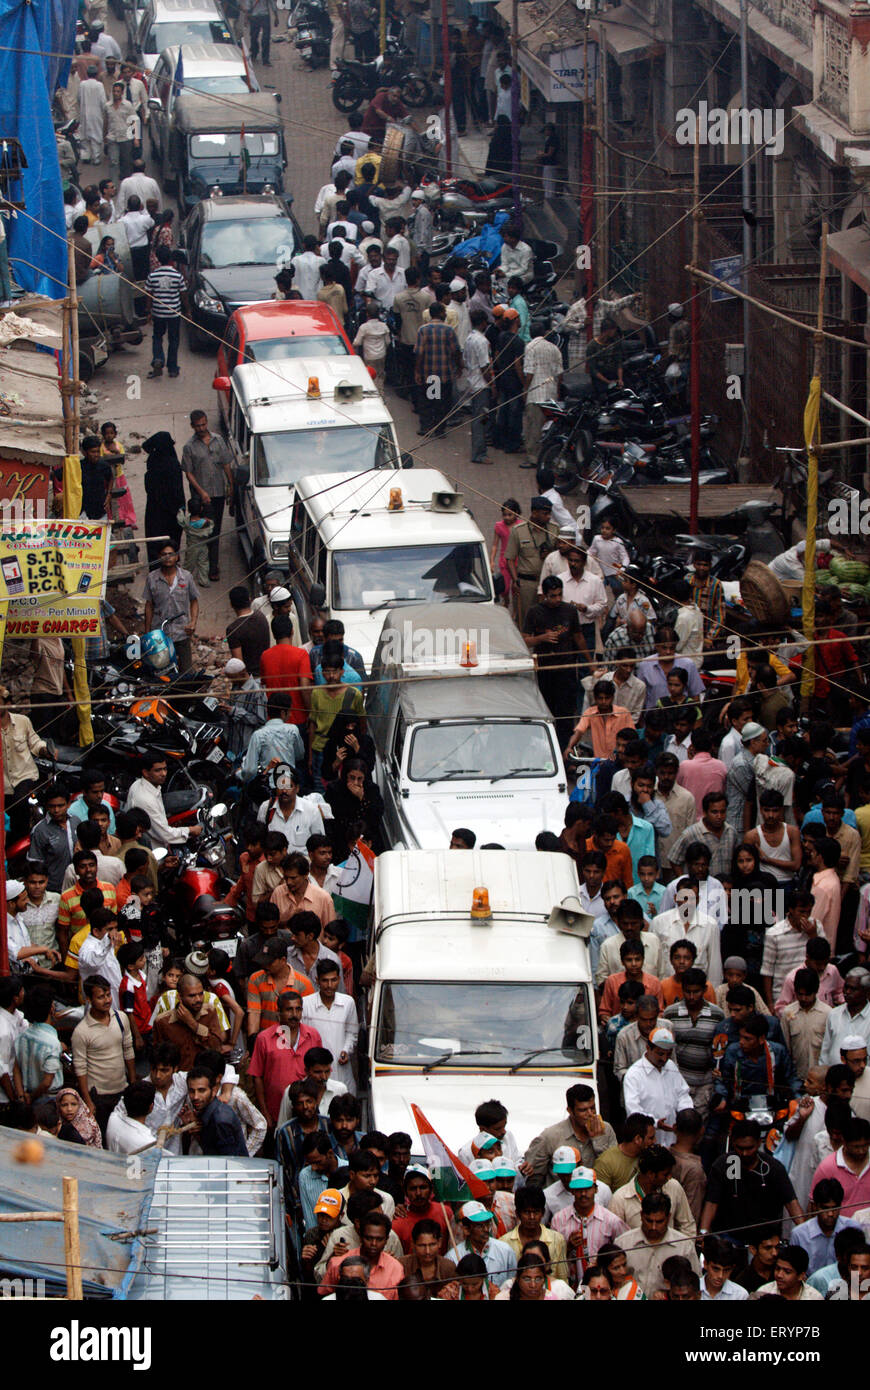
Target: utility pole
[[587, 202], [515, 109], [746, 197], [695, 350]]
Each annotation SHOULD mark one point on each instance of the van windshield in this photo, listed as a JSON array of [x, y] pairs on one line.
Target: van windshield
[[228, 85], [285, 456], [228, 144], [424, 573], [495, 1025], [467, 752]]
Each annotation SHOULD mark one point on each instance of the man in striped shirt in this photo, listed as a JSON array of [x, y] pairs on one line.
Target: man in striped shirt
[[785, 943], [166, 288]]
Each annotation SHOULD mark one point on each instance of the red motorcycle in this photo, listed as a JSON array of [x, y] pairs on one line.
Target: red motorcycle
[[193, 890]]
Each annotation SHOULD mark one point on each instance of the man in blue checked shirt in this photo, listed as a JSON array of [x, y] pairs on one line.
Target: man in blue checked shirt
[[278, 741]]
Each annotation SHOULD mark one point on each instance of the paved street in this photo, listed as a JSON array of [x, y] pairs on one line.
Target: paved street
[[142, 406]]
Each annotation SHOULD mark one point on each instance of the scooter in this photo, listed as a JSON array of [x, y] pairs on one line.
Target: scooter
[[311, 28]]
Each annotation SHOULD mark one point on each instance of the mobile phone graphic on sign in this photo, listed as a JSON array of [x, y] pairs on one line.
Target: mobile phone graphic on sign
[[84, 583], [13, 576]]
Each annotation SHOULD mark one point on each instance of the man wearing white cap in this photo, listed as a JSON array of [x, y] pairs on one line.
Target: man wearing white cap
[[244, 709], [459, 296], [853, 1054], [559, 1195], [500, 1260], [420, 224], [17, 935], [585, 1224], [654, 1086]]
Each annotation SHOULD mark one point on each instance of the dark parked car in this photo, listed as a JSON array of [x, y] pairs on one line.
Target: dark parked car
[[235, 247]]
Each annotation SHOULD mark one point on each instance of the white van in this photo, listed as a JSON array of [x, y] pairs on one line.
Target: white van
[[464, 1009], [289, 419], [177, 24], [462, 734], [364, 542]]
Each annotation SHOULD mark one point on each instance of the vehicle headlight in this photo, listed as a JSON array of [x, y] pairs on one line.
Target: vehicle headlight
[[279, 550], [215, 855], [207, 302]]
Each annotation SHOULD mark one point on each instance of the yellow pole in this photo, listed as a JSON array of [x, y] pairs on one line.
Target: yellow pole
[[383, 31], [811, 434]]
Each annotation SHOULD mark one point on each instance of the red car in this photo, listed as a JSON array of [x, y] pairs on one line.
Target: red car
[[276, 329]]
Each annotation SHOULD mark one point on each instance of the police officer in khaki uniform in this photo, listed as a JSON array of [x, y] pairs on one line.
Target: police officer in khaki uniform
[[528, 546]]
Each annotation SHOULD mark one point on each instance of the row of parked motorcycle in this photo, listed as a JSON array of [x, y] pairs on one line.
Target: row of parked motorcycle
[[203, 787]]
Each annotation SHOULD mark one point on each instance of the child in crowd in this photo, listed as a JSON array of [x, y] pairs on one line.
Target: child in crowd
[[609, 550], [197, 527], [372, 340], [133, 992], [649, 892]]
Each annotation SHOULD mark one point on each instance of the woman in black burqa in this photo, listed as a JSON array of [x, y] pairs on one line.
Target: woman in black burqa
[[164, 492]]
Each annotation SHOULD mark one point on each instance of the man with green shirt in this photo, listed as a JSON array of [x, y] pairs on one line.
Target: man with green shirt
[[618, 1165]]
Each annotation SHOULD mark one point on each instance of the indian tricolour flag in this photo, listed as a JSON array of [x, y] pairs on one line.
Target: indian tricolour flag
[[244, 157], [352, 891], [453, 1181]]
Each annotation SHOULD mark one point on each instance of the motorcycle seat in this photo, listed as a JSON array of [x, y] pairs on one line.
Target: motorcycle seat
[[69, 753], [487, 185], [617, 445], [575, 382]]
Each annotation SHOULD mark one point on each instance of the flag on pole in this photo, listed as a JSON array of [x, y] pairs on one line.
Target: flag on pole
[[179, 72], [452, 1180], [244, 158]]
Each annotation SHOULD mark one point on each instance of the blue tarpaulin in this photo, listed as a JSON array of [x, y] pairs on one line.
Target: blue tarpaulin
[[114, 1199], [36, 45]]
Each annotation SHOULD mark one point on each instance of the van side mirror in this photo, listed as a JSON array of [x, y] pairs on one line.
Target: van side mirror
[[407, 460], [277, 96], [221, 383], [317, 596], [155, 104]]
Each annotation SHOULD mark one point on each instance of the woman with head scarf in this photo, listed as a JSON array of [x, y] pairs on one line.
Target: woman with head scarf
[[747, 939], [164, 492], [346, 740], [77, 1124], [356, 804]]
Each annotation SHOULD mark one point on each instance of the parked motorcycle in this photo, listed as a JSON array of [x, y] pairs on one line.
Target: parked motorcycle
[[194, 888], [357, 82], [311, 29]]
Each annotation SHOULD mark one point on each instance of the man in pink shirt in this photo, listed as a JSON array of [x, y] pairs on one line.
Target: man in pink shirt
[[700, 772], [850, 1165], [385, 1272], [586, 1225], [824, 857], [818, 959], [279, 1054]]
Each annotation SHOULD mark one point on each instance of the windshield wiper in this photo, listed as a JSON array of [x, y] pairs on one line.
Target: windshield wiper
[[517, 772], [454, 772], [532, 1055], [447, 1056], [388, 602]]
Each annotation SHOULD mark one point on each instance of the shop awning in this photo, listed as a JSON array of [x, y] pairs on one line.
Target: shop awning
[[626, 36], [31, 411]]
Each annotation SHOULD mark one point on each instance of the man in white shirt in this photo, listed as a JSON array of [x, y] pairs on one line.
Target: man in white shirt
[[477, 361], [306, 268], [97, 952], [586, 592], [542, 369], [685, 920], [398, 242], [739, 712], [333, 1014], [127, 1132], [358, 140], [689, 625], [848, 1019], [12, 1025], [654, 1086], [141, 184], [385, 283], [516, 255], [346, 159], [105, 46], [291, 816], [146, 795], [720, 1258], [395, 203]]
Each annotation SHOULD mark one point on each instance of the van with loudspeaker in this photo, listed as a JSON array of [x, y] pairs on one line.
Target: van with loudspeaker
[[482, 987], [363, 543], [461, 731]]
